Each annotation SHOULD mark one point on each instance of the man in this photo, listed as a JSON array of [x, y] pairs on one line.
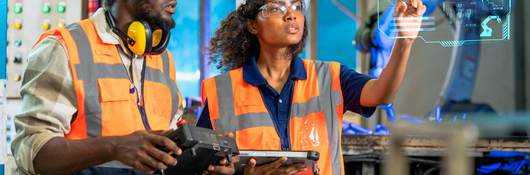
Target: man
[[99, 95]]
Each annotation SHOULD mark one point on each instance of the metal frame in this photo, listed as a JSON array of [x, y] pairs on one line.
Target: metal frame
[[457, 140], [357, 145], [3, 58], [527, 54], [204, 38], [519, 55], [313, 30], [3, 38]]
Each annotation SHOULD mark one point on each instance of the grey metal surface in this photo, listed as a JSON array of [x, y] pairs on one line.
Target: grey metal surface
[[519, 56], [455, 140], [527, 52], [379, 145]]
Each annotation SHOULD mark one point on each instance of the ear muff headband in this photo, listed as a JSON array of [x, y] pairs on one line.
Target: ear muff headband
[[112, 25]]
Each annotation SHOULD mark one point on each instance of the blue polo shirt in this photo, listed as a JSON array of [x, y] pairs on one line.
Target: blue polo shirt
[[279, 104]]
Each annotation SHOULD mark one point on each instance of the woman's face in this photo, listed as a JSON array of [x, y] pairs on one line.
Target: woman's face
[[280, 23]]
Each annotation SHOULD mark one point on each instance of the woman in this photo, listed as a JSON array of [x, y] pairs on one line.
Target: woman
[[270, 99]]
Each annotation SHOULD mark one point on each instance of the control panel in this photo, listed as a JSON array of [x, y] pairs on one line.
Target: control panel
[[27, 20]]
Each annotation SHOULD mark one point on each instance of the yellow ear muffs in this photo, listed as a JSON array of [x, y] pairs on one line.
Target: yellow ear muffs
[[157, 37], [140, 32], [160, 41], [140, 37]]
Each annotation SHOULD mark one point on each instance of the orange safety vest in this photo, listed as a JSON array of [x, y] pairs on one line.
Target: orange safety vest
[[105, 104], [315, 118]]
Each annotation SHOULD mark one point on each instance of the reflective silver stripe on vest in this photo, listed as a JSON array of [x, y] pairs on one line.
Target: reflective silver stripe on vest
[[172, 83], [85, 72], [89, 72], [303, 109], [225, 123], [175, 91], [330, 99], [246, 121], [313, 105], [228, 121], [155, 75]]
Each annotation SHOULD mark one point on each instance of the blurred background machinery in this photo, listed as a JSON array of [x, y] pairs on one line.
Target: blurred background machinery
[[3, 118], [483, 144], [26, 20]]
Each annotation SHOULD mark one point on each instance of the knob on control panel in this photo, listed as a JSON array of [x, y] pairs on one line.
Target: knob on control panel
[[18, 60], [46, 8], [18, 9]]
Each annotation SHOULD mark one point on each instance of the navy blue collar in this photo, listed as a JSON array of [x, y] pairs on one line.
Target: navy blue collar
[[252, 75]]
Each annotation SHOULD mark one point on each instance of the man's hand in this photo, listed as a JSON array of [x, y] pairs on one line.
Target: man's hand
[[409, 15], [274, 168], [224, 167], [140, 151]]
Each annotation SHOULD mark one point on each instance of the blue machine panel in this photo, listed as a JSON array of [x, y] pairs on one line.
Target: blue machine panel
[[3, 38], [3, 57]]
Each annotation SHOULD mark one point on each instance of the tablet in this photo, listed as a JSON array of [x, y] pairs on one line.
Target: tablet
[[264, 157]]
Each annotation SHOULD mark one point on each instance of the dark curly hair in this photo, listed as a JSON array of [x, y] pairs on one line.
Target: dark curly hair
[[233, 45]]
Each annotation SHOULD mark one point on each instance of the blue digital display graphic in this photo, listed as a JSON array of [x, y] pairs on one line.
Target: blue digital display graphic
[[477, 20]]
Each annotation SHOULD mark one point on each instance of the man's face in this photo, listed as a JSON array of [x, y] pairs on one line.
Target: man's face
[[156, 12]]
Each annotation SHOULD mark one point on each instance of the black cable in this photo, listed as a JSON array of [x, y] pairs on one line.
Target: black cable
[[426, 161], [429, 171]]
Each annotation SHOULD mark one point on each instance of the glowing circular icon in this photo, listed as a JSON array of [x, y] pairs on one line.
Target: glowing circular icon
[[18, 25], [46, 25], [46, 8], [18, 9], [61, 8]]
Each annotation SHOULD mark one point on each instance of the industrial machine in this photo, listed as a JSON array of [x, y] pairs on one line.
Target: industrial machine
[[3, 29], [26, 20]]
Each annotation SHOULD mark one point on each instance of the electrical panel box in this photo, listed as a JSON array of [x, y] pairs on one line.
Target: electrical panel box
[[27, 20]]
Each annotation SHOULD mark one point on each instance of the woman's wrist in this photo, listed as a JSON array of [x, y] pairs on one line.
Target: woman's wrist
[[405, 41]]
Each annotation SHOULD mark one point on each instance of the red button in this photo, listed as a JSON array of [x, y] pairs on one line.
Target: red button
[[181, 122]]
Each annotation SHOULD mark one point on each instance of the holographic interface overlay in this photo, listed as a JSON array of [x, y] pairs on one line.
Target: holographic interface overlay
[[474, 20]]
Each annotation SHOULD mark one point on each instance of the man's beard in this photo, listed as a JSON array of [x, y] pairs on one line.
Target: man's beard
[[146, 13], [158, 22]]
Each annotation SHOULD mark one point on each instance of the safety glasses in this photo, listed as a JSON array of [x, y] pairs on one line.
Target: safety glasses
[[280, 8]]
